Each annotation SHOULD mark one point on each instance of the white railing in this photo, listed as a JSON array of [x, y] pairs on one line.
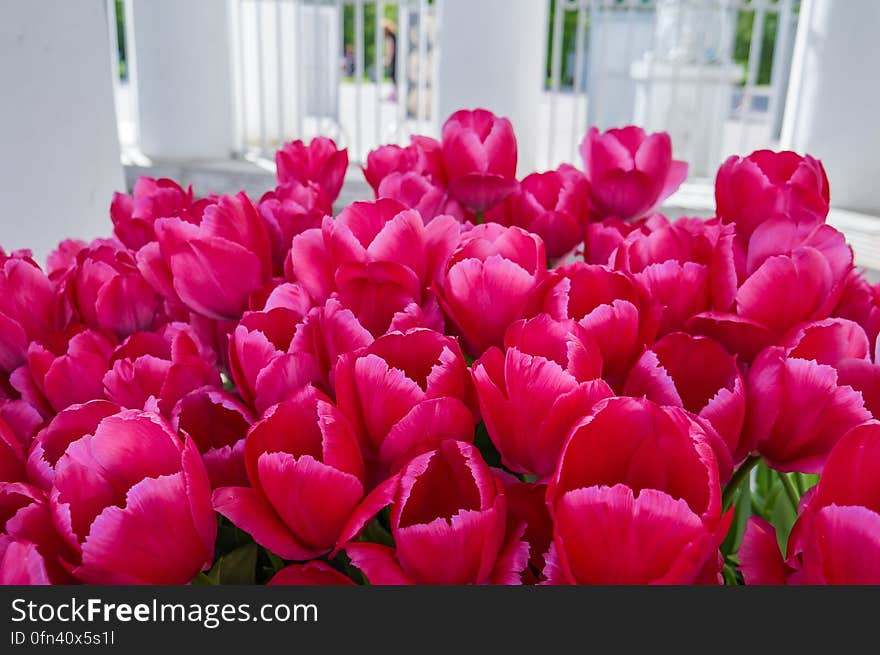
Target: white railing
[[595, 67], [297, 75], [301, 68]]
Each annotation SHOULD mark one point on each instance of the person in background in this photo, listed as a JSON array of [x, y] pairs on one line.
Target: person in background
[[390, 28]]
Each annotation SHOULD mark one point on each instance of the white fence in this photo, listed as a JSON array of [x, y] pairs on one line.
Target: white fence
[[363, 73]]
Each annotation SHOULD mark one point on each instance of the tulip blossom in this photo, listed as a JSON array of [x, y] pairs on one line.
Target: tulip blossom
[[860, 302], [214, 265], [263, 367], [836, 539], [404, 393], [629, 171], [133, 503], [687, 267], [479, 155], [418, 192], [31, 551], [698, 374], [614, 313], [766, 185], [526, 505], [553, 205], [319, 162], [789, 275], [65, 427], [105, 290], [68, 369], [217, 422], [448, 521], [26, 308], [635, 499], [134, 215], [379, 259], [534, 391], [797, 409], [306, 474], [496, 276], [289, 210], [159, 367]]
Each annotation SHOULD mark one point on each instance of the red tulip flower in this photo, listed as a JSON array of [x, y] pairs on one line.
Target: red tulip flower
[[133, 503], [306, 475], [448, 521], [767, 185], [479, 155], [636, 499], [629, 171], [319, 162]]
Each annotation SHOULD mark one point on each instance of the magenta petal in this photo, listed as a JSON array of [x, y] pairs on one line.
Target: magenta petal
[[248, 511], [151, 540], [760, 559], [310, 573], [378, 564]]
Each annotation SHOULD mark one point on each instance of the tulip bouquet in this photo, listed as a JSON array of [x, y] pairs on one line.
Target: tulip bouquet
[[472, 378]]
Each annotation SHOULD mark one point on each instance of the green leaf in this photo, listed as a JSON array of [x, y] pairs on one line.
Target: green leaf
[[741, 513], [236, 567]]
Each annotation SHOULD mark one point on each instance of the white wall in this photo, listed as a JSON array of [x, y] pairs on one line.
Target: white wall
[[182, 62], [491, 54], [834, 97], [59, 150]]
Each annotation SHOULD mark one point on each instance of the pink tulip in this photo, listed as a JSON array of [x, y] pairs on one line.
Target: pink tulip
[[418, 192], [698, 374], [496, 276], [423, 157], [67, 369], [526, 505], [479, 155], [65, 427], [134, 215], [448, 522], [789, 275], [532, 393], [319, 162], [264, 365], [686, 266], [553, 205], [379, 258], [217, 422], [212, 266], [611, 309], [306, 476], [105, 290], [629, 171], [766, 185], [21, 418], [64, 256], [836, 539], [636, 499], [289, 210], [133, 502], [404, 393], [797, 409], [150, 367], [327, 333], [31, 552], [26, 308]]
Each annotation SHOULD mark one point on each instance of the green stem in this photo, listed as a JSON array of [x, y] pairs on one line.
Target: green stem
[[790, 490], [742, 473]]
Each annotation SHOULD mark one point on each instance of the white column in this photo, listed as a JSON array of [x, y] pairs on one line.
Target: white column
[[491, 54], [184, 80], [59, 150], [834, 95]]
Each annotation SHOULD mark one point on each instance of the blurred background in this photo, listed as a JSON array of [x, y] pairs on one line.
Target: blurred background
[[97, 92]]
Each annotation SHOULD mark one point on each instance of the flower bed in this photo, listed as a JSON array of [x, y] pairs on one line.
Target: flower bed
[[471, 379]]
